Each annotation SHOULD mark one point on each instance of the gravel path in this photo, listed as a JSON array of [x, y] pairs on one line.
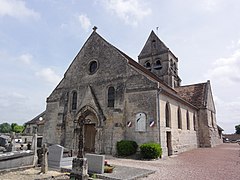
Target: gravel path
[[32, 174], [220, 163]]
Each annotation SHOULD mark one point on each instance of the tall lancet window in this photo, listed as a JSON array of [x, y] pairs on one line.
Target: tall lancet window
[[179, 115], [74, 100], [212, 119], [111, 96], [188, 122], [194, 122], [167, 115]]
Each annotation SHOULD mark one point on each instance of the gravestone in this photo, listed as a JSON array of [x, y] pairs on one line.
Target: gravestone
[[34, 148], [11, 146], [55, 155], [95, 163]]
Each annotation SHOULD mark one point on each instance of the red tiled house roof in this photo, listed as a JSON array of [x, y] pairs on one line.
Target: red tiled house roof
[[194, 94]]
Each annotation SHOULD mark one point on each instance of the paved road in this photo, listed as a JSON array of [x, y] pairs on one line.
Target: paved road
[[220, 163]]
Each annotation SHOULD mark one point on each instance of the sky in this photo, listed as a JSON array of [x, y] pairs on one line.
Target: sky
[[40, 38]]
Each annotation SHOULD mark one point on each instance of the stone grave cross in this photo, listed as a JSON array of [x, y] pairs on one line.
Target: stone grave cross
[[44, 165], [81, 122], [79, 164]]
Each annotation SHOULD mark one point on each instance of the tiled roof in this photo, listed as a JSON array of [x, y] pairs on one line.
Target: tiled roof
[[36, 119], [194, 94]]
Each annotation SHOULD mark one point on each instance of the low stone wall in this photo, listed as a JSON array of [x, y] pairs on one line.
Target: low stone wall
[[16, 159]]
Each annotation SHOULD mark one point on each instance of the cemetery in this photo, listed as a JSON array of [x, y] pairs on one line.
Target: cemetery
[[14, 154], [24, 153], [57, 162]]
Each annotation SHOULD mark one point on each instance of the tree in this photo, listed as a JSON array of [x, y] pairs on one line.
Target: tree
[[13, 126], [18, 129], [237, 127], [5, 128]]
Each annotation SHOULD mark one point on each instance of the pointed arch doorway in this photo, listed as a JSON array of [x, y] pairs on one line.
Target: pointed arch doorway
[[91, 129]]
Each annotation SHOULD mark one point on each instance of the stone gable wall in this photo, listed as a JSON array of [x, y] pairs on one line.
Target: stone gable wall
[[114, 71]]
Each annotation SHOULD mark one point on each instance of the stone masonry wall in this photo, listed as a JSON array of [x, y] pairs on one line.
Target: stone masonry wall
[[142, 102], [181, 139]]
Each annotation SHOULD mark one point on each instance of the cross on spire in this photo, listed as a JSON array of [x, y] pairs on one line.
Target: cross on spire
[[94, 28]]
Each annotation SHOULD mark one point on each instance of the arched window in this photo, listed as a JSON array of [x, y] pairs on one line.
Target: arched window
[[188, 122], [179, 115], [74, 100], [148, 65], [167, 115], [194, 122], [171, 63], [174, 67], [158, 64], [111, 96]]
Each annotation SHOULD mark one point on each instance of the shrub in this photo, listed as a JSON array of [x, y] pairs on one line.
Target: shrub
[[150, 150], [126, 147]]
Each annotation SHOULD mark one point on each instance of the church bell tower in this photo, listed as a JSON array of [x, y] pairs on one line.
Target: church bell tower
[[157, 58]]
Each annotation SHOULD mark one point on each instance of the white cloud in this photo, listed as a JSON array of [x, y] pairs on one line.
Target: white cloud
[[26, 58], [211, 5], [226, 69], [233, 45], [76, 25], [26, 105], [49, 75], [7, 99], [84, 21], [228, 113], [238, 43], [17, 95], [16, 9], [217, 100], [131, 11]]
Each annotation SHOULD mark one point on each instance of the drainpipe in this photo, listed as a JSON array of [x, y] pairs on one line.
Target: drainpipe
[[158, 113]]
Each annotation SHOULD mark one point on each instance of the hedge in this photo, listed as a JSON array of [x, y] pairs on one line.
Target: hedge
[[150, 150], [126, 147]]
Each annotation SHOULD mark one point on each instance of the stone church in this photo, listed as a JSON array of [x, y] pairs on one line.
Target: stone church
[[117, 98]]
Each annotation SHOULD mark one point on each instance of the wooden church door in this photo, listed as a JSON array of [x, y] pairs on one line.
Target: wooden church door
[[89, 135]]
